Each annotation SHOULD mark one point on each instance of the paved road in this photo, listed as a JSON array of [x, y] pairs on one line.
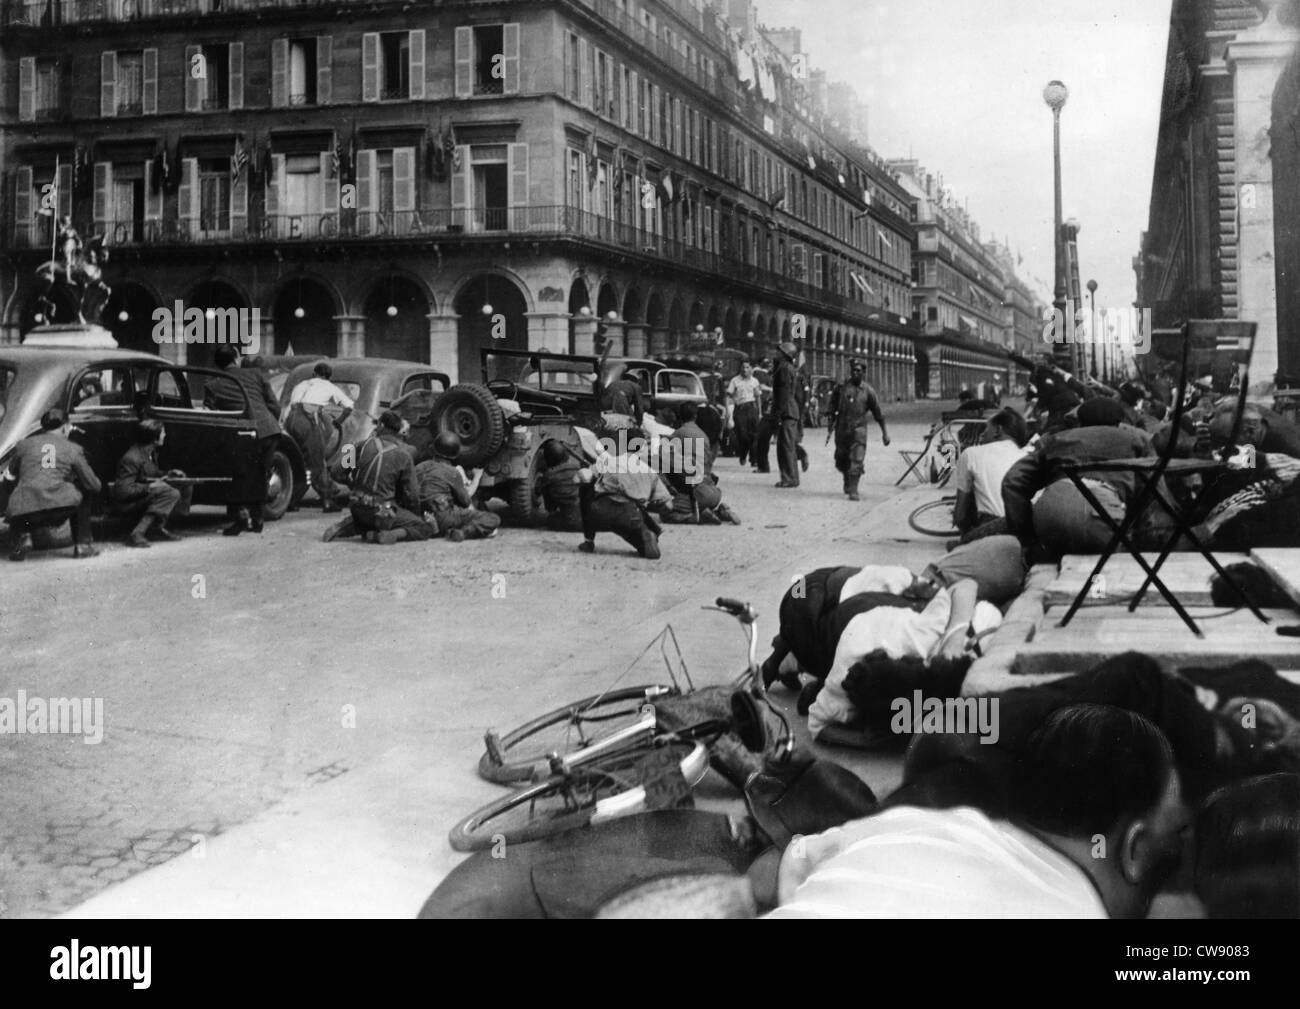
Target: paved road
[[244, 677]]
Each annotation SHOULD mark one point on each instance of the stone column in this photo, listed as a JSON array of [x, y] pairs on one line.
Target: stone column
[[637, 339], [351, 330], [584, 334], [444, 345], [936, 373], [1255, 60], [549, 331], [616, 336]]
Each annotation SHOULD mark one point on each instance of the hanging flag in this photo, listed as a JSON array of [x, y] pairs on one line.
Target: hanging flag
[[591, 160], [238, 160], [158, 172], [352, 155], [265, 165], [812, 162], [866, 197], [778, 200], [666, 188], [334, 155]]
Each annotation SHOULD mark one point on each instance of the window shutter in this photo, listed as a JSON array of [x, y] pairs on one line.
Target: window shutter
[[153, 203], [654, 113], [633, 101], [464, 62], [149, 85], [187, 199], [370, 67], [65, 190], [280, 72], [271, 195], [239, 205], [108, 83], [403, 188], [417, 63], [27, 89], [460, 185], [195, 87], [615, 91], [510, 36], [23, 212], [365, 191], [103, 185], [518, 185], [818, 267], [798, 261], [584, 73], [236, 78], [324, 70], [329, 195]]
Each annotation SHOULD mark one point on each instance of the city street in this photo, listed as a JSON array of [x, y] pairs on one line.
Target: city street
[[312, 713]]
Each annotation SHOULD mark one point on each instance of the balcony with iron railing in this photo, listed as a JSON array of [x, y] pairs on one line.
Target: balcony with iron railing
[[52, 13], [537, 223]]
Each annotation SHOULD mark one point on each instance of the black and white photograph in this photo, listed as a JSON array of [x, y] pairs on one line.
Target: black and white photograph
[[652, 459]]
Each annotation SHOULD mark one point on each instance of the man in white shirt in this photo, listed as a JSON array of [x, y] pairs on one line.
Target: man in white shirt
[[743, 395], [981, 467], [1097, 827], [308, 424]]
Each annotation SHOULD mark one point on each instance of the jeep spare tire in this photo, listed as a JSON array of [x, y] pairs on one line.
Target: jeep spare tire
[[473, 415]]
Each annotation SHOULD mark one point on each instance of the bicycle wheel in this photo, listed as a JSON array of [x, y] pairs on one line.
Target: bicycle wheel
[[523, 754], [934, 518], [651, 777]]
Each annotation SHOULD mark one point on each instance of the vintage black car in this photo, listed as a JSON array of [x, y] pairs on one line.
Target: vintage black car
[[102, 389]]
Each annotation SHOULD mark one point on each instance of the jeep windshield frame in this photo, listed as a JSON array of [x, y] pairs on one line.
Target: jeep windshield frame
[[566, 374]]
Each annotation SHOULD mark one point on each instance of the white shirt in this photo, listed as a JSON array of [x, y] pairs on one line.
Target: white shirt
[[980, 470], [901, 633], [927, 863], [317, 391], [878, 578], [743, 390]]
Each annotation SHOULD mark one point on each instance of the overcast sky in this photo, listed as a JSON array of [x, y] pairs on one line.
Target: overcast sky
[[958, 85]]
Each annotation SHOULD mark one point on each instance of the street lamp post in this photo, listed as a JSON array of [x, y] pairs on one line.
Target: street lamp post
[[1055, 95], [1092, 325]]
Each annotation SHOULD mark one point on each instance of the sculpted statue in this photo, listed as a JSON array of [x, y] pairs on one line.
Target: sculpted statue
[[77, 274]]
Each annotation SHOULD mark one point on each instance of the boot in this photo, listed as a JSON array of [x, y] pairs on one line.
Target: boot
[[21, 548], [853, 488], [163, 533], [386, 537], [86, 549], [137, 537], [239, 525]]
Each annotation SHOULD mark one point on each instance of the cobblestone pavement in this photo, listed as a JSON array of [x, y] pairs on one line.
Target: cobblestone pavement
[[300, 661]]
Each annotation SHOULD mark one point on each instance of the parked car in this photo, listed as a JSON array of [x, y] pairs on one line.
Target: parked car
[[374, 384], [102, 389]]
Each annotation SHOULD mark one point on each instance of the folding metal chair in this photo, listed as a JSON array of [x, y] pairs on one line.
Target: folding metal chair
[[1224, 339]]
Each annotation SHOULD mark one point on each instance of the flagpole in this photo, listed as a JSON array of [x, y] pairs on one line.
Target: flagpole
[[54, 213]]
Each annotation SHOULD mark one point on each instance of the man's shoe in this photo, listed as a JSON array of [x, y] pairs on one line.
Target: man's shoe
[[21, 548], [650, 546], [456, 535], [853, 496], [256, 526], [138, 540], [708, 518], [587, 546], [804, 463], [235, 528], [727, 514], [786, 483], [86, 550], [163, 533]]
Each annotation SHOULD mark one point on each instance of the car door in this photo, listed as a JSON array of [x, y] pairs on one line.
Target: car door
[[100, 404], [201, 441]]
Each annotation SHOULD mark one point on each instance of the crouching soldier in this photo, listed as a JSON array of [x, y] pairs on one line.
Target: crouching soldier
[[444, 494], [685, 465], [559, 487], [385, 481], [618, 495], [141, 483], [55, 482]]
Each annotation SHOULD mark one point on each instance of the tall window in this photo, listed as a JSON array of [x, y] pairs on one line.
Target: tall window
[[47, 89], [303, 187], [215, 83], [302, 72], [214, 195], [395, 65], [575, 68], [130, 82], [489, 68], [601, 83]]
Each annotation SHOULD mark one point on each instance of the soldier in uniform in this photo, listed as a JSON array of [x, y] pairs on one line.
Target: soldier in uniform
[[787, 413], [851, 402], [443, 492], [384, 484], [55, 482]]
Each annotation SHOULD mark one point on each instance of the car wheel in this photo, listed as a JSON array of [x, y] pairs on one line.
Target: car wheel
[[522, 496], [473, 415], [280, 487]]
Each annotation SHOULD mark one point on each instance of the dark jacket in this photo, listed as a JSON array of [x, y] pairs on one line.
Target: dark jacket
[[850, 405], [137, 469], [624, 396], [785, 392], [1082, 444], [441, 485], [386, 471], [220, 395], [49, 469]]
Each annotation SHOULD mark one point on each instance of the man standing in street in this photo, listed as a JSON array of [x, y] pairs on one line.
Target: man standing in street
[[305, 420], [248, 495], [851, 403], [786, 409], [743, 394]]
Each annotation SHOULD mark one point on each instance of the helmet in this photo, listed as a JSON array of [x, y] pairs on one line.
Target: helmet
[[788, 349], [446, 445]]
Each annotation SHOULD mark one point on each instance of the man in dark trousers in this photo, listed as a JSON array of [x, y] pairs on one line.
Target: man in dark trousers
[[745, 396], [249, 492], [141, 483], [786, 411], [851, 402], [444, 493], [385, 483], [55, 482]]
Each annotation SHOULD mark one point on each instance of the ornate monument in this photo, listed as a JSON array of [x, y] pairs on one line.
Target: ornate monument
[[73, 280]]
